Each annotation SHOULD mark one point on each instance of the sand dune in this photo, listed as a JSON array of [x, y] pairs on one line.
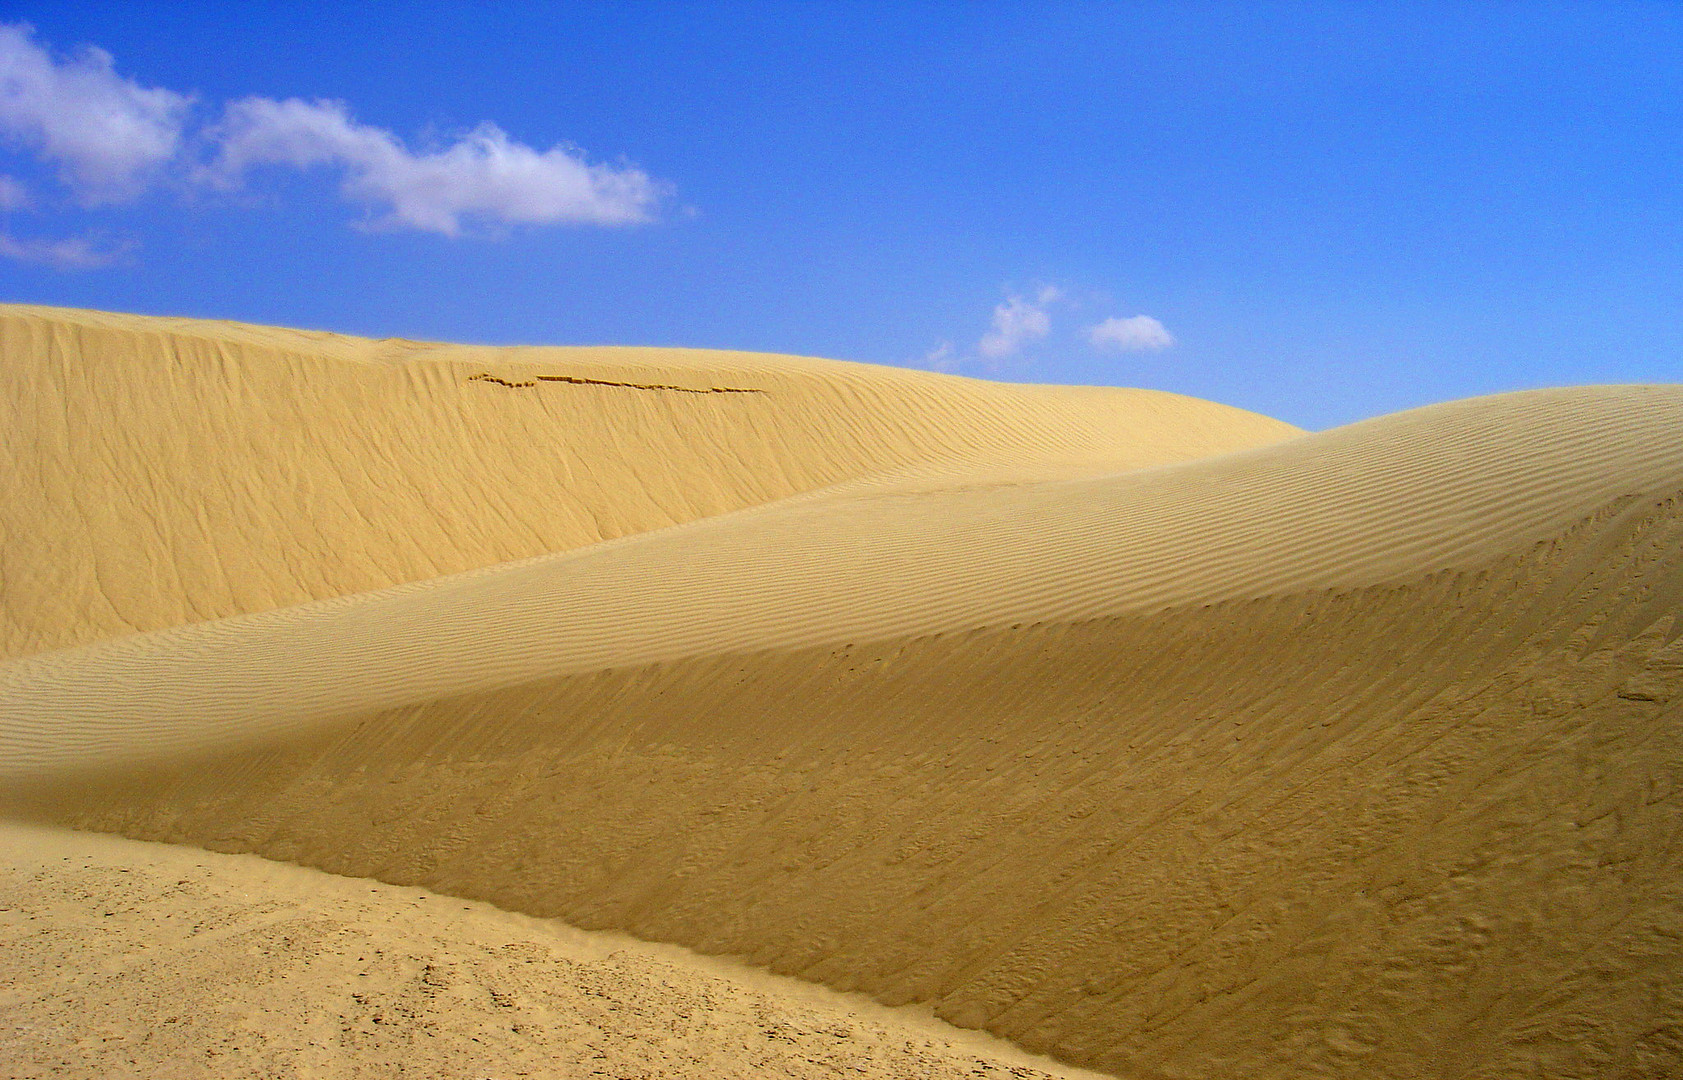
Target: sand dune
[[167, 471], [1143, 732]]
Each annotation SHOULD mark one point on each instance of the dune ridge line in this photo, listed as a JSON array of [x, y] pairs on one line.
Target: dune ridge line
[[1152, 735]]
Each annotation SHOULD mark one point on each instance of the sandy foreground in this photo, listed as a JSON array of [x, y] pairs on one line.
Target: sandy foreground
[[127, 959], [1149, 734]]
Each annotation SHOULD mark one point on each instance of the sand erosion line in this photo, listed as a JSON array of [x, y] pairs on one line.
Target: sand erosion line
[[487, 377]]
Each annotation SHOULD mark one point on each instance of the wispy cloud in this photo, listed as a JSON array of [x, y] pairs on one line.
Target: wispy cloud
[[1017, 322], [484, 177], [108, 135], [941, 358], [1136, 334], [73, 253], [111, 138], [14, 194]]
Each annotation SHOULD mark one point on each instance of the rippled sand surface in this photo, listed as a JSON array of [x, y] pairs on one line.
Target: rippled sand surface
[[1146, 733]]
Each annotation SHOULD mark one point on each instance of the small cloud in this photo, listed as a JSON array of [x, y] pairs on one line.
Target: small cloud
[[1139, 333], [483, 177], [73, 253], [1017, 322], [13, 194], [105, 132], [941, 358]]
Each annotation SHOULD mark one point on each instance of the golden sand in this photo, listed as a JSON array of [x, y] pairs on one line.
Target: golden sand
[[1147, 733], [121, 959]]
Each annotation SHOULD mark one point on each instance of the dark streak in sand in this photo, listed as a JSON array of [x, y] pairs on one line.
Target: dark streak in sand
[[487, 377]]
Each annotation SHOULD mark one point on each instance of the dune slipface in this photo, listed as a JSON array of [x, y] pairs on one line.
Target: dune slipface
[[1150, 734]]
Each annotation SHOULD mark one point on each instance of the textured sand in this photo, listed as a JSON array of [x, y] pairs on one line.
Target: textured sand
[[1146, 733], [124, 959], [167, 471]]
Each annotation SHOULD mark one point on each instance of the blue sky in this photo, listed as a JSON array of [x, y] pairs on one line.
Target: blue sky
[[1321, 212]]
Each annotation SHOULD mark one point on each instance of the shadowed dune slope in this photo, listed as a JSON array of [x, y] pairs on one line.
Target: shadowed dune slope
[[1357, 754], [167, 471]]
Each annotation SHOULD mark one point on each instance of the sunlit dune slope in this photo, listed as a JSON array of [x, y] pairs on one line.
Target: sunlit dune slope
[[1386, 501], [1357, 754], [167, 471]]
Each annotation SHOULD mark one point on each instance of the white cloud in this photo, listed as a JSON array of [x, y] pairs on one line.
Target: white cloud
[[110, 137], [105, 132], [73, 253], [1140, 333], [483, 177], [13, 194], [1017, 322], [941, 358]]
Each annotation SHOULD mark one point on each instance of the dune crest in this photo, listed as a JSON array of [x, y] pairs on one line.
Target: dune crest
[[169, 471], [1219, 753]]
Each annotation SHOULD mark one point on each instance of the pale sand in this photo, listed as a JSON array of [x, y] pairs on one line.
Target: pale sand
[[1141, 731], [166, 471]]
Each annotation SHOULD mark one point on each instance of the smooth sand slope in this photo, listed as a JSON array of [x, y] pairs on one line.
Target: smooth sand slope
[[1142, 732]]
